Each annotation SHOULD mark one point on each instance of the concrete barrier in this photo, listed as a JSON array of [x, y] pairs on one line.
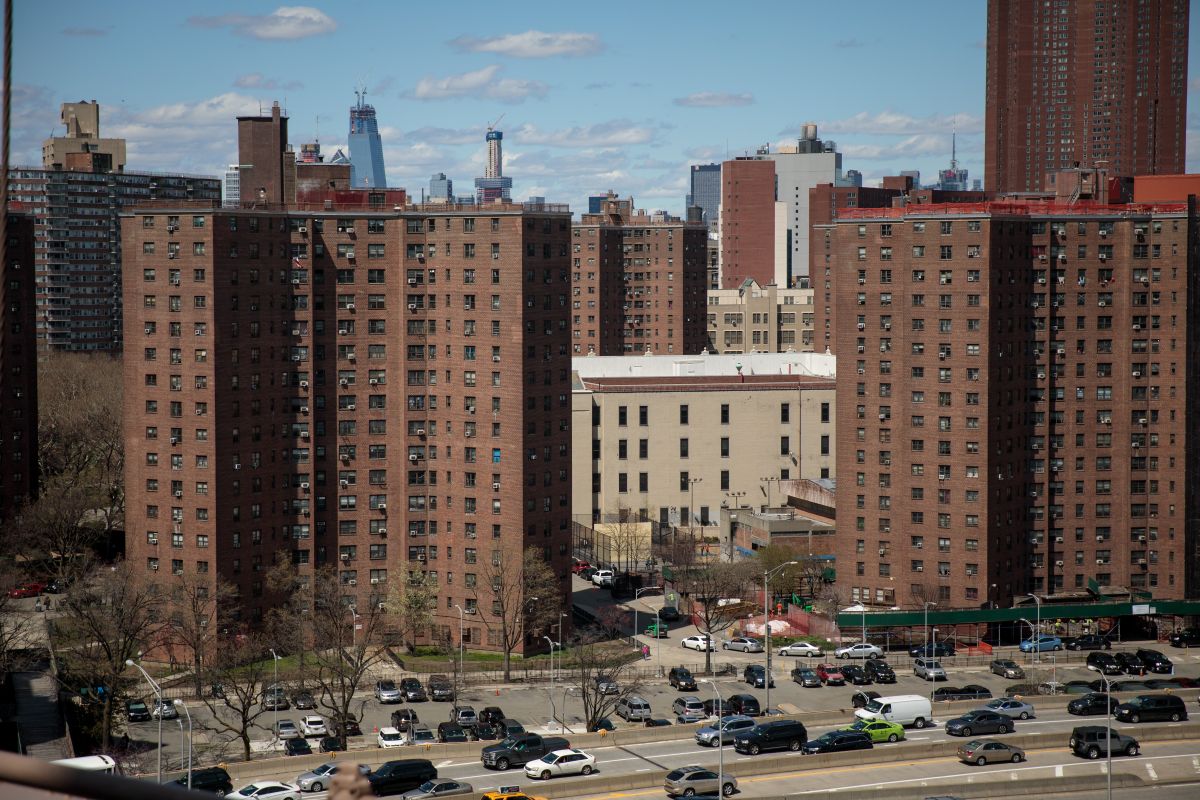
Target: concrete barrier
[[976, 790]]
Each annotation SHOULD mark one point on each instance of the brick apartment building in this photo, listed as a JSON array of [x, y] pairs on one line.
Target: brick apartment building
[[381, 388], [1084, 82], [755, 318], [638, 282], [18, 369], [747, 222], [1012, 392]]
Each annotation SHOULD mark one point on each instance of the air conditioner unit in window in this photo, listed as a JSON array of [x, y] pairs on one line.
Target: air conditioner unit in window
[[237, 466], [304, 486], [1103, 257], [919, 568], [1058, 563], [1103, 304], [303, 409], [351, 357], [382, 506], [1058, 540], [412, 306], [420, 431], [412, 457], [344, 382], [307, 513], [295, 358], [350, 231], [420, 556], [373, 381], [174, 440], [172, 255], [343, 331], [349, 306], [154, 567], [1137, 327], [351, 407], [1100, 561], [1041, 280], [295, 281], [1143, 421], [303, 384], [496, 359], [1137, 374], [496, 486], [412, 281], [374, 580], [381, 531], [1042, 257], [862, 348], [179, 492], [862, 281], [345, 556], [1141, 538], [1036, 446], [344, 483], [352, 582], [862, 371], [303, 434], [303, 229]]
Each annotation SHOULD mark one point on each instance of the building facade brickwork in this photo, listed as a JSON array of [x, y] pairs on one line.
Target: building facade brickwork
[[18, 369]]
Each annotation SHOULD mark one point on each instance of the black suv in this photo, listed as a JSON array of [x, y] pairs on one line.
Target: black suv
[[450, 732], [1089, 641], [1104, 663], [756, 676], [780, 734], [856, 675], [213, 780], [491, 715], [1092, 741], [668, 614], [879, 671], [1130, 663], [440, 688], [1155, 661], [681, 678], [932, 650], [838, 742], [403, 718], [412, 690], [746, 704], [401, 776], [1150, 707], [136, 711], [1188, 637], [1091, 704]]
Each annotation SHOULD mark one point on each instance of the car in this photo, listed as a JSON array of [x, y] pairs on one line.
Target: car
[[403, 717], [440, 688], [1160, 685], [267, 790], [570, 761], [1007, 668], [449, 732], [389, 737], [136, 711], [1093, 741], [745, 644], [349, 725], [1041, 644], [837, 742], [1092, 704], [486, 731], [286, 729], [603, 577], [1089, 641], [403, 775], [1130, 664], [807, 677], [602, 724], [974, 722], [606, 685], [386, 691], [698, 642], [27, 589], [689, 781], [303, 701], [56, 585], [681, 678], [878, 730], [275, 699], [929, 669], [297, 747], [316, 779], [1155, 661], [713, 707], [856, 675], [330, 744], [756, 676], [657, 630], [932, 650], [419, 734], [492, 715], [1188, 637], [688, 708], [1010, 707], [212, 780], [879, 671], [778, 734], [723, 730], [413, 691], [860, 650], [1151, 707], [972, 691], [860, 699], [587, 572], [633, 709], [1130, 686], [578, 565], [439, 787], [464, 716], [658, 722], [945, 693], [1078, 687], [1104, 663], [668, 614], [830, 675], [801, 650], [165, 709], [989, 751], [312, 725], [744, 704]]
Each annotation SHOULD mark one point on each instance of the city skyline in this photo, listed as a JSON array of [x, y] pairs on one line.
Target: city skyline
[[591, 103]]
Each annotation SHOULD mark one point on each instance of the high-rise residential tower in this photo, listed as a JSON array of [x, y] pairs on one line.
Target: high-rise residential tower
[[231, 192], [1092, 83], [18, 368], [82, 147], [493, 185], [366, 148]]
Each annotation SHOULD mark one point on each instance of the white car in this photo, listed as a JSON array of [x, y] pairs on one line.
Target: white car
[[389, 737], [312, 725], [859, 650], [268, 790], [801, 649], [603, 577], [286, 729], [561, 762], [698, 642]]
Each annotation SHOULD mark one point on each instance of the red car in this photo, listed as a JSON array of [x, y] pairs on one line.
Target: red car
[[27, 589], [830, 675], [579, 565]]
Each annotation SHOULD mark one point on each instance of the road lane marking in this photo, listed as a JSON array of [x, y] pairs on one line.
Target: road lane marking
[[1058, 771], [1150, 771]]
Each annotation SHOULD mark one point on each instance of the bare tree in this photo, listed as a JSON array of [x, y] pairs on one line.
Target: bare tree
[[242, 673], [60, 530], [525, 597], [288, 623], [200, 609], [710, 587], [410, 604], [16, 626], [594, 658], [108, 617], [629, 538]]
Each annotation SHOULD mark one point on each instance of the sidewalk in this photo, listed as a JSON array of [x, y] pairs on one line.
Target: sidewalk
[[36, 698]]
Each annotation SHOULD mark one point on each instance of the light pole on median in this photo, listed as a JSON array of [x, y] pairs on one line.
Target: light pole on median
[[275, 691], [183, 705], [720, 736], [636, 595], [1108, 730], [767, 627], [1035, 638], [928, 603], [129, 662], [460, 651], [550, 642]]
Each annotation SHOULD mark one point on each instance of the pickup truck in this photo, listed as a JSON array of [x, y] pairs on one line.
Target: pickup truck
[[516, 751]]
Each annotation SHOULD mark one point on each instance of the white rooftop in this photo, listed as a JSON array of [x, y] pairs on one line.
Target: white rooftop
[[822, 365]]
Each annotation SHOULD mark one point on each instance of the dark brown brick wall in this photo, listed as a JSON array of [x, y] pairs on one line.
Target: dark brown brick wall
[[747, 222], [18, 369]]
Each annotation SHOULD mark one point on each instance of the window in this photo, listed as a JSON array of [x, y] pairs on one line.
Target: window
[[683, 415], [724, 413]]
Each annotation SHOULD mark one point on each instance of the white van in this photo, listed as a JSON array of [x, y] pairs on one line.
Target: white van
[[106, 764], [903, 709]]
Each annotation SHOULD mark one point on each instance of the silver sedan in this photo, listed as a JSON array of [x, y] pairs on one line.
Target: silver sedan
[[1010, 707], [746, 644]]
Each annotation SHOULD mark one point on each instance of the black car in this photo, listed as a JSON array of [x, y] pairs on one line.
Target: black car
[[136, 711], [780, 734], [856, 675], [350, 724], [807, 677], [485, 731], [450, 732], [403, 718], [971, 691], [330, 744], [602, 724], [657, 722], [746, 704], [1091, 704], [1188, 637], [681, 678], [982, 721], [668, 613], [878, 671], [402, 775], [297, 747], [213, 780], [491, 715], [932, 650], [838, 742], [440, 688], [412, 690], [1104, 663], [1151, 707], [1088, 641], [713, 708], [1130, 664], [304, 700], [756, 676], [860, 699], [1155, 661]]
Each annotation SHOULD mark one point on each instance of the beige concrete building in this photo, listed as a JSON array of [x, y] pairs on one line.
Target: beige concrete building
[[82, 148], [676, 437], [758, 319]]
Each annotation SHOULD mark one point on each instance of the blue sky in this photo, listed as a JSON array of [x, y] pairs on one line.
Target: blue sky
[[616, 95]]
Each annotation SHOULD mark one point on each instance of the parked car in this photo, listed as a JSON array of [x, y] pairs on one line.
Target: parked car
[[1092, 741], [1104, 663], [412, 690], [316, 779], [165, 709], [1089, 641], [1130, 664], [578, 565], [681, 678], [517, 751], [1188, 637], [266, 790], [389, 737], [602, 724], [859, 650], [830, 675], [303, 701], [698, 642], [1160, 685], [274, 699], [932, 650], [212, 780], [386, 691], [879, 671], [603, 577], [347, 725], [856, 675], [449, 732], [807, 677], [878, 730], [1007, 668], [1130, 686], [440, 688], [723, 731], [838, 742], [419, 734], [1010, 707], [587, 572], [860, 699], [989, 751], [330, 744], [217, 691], [1077, 687], [286, 729], [633, 709], [974, 722], [745, 644], [394, 777], [1155, 661], [570, 761], [972, 691], [297, 747], [1092, 704], [668, 614], [929, 669], [756, 676], [1041, 644], [801, 649], [27, 589], [657, 630], [1151, 707], [312, 725], [486, 731], [658, 722], [688, 708], [464, 716], [136, 711], [691, 781], [605, 685], [779, 734], [491, 715], [439, 787], [744, 704]]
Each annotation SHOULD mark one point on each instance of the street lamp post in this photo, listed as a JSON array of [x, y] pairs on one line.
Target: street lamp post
[[1034, 639], [1108, 730], [275, 691], [550, 642], [460, 650], [636, 595], [928, 603], [183, 705], [692, 504], [720, 736], [767, 626], [129, 662]]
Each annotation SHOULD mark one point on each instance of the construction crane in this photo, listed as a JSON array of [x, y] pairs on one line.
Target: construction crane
[[492, 127]]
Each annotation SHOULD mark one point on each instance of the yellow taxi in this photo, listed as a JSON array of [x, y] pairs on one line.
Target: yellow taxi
[[510, 793]]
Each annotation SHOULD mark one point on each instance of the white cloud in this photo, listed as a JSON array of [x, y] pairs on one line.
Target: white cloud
[[532, 44], [256, 80], [899, 124], [445, 136], [34, 117], [615, 133], [285, 22], [1194, 84], [705, 153], [480, 83], [849, 43], [920, 145], [714, 100]]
